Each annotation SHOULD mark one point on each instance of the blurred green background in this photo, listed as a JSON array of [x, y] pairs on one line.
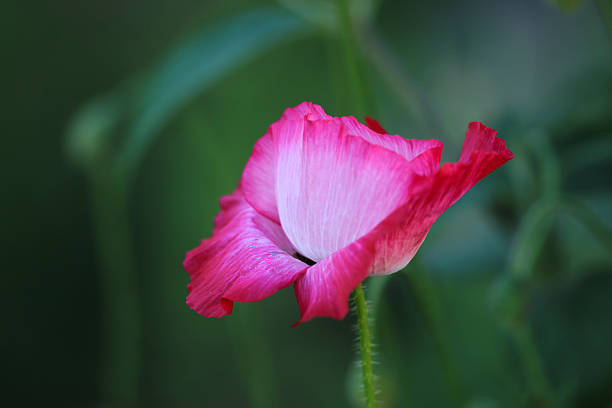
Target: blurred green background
[[124, 122]]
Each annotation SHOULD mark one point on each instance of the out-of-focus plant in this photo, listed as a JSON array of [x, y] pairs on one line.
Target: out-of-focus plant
[[109, 137], [533, 233], [324, 13]]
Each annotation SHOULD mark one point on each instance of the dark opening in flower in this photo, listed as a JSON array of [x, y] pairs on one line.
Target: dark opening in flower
[[302, 258]]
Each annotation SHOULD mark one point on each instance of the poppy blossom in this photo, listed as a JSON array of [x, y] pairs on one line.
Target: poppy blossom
[[325, 202]]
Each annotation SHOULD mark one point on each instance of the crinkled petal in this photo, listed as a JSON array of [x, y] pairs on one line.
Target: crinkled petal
[[325, 288], [247, 259], [399, 236], [426, 153], [332, 187], [307, 110], [373, 133]]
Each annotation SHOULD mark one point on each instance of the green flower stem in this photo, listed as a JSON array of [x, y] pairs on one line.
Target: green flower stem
[[121, 354], [358, 96], [365, 347], [428, 298], [348, 42]]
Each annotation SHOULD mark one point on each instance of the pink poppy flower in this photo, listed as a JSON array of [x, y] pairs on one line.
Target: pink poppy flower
[[325, 202]]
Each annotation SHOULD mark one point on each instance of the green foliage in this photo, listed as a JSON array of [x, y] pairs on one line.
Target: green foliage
[[504, 306], [150, 101]]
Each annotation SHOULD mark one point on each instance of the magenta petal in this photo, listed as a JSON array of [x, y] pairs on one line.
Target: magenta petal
[[400, 235], [375, 134], [426, 152], [332, 187], [273, 268], [305, 110], [353, 198], [325, 288], [247, 259], [259, 178]]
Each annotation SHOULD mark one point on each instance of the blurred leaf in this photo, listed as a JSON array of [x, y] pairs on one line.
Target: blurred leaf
[[394, 72], [323, 12], [578, 359], [589, 152], [196, 65], [530, 238], [585, 235], [145, 104], [538, 221], [87, 135], [430, 303], [482, 244]]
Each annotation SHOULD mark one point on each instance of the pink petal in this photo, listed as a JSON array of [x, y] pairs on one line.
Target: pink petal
[[400, 235], [331, 187], [259, 178], [306, 110], [427, 153], [325, 288], [247, 259], [373, 133]]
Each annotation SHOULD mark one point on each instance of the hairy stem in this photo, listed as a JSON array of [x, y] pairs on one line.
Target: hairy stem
[[365, 347]]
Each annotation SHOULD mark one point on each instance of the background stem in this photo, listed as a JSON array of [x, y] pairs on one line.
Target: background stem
[[348, 41], [590, 220], [430, 304], [533, 365], [533, 231], [365, 347], [393, 71], [253, 358], [119, 292]]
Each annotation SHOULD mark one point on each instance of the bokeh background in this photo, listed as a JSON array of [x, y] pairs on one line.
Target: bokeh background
[[125, 121]]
